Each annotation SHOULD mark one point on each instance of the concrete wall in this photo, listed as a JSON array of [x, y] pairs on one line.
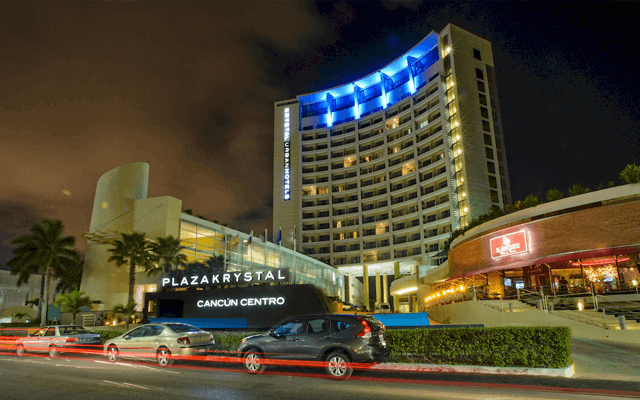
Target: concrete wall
[[113, 211], [473, 312]]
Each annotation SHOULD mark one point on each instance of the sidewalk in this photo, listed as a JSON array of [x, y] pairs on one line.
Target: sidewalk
[[605, 360]]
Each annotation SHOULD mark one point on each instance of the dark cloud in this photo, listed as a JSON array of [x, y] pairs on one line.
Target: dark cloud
[[189, 88]]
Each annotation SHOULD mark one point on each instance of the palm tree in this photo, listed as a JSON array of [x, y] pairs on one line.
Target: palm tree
[[72, 303], [70, 278], [630, 174], [133, 250], [127, 311], [168, 255], [46, 251]]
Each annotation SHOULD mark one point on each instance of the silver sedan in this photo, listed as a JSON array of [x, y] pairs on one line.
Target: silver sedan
[[58, 339], [165, 342]]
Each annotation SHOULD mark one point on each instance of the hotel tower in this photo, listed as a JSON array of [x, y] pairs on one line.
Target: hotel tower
[[373, 176]]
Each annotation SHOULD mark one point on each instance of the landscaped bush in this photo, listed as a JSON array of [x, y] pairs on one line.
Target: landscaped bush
[[229, 341], [534, 347], [106, 335]]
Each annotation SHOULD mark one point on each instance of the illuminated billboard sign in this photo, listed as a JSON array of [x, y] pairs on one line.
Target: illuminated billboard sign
[[508, 245], [287, 154], [280, 275]]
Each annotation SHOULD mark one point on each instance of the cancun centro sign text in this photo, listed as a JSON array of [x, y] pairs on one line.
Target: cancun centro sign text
[[245, 302], [510, 244], [228, 278]]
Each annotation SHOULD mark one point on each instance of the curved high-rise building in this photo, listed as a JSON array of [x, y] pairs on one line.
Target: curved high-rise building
[[373, 176]]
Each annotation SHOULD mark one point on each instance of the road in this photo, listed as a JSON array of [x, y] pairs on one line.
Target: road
[[92, 377]]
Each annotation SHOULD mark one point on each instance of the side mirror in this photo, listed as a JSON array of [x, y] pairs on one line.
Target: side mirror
[[30, 334], [127, 337]]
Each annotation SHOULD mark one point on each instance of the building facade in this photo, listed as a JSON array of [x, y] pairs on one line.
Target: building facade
[[372, 176], [582, 244], [121, 206]]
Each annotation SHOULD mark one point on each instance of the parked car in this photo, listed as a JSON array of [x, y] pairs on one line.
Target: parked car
[[164, 342], [382, 308], [336, 340], [57, 339]]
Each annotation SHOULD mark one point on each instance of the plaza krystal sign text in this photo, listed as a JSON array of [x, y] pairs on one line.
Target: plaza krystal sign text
[[508, 245], [228, 278], [287, 154]]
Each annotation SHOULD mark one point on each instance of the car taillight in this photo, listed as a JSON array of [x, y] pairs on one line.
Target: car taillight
[[184, 340], [69, 340], [211, 337], [365, 332]]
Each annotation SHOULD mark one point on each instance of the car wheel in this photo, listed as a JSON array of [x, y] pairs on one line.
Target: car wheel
[[252, 362], [338, 366], [112, 353], [53, 351], [163, 357], [20, 351]]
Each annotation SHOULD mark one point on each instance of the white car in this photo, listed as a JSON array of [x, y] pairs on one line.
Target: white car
[[164, 342], [57, 339]]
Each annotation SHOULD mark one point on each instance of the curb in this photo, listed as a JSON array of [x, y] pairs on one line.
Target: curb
[[566, 372]]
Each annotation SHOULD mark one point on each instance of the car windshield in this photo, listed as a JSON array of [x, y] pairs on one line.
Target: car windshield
[[182, 328], [72, 330]]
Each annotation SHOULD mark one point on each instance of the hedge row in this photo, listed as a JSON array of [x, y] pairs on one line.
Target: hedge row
[[229, 341], [534, 347]]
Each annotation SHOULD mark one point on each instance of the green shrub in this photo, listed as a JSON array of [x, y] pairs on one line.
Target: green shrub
[[106, 335], [229, 341], [534, 347]]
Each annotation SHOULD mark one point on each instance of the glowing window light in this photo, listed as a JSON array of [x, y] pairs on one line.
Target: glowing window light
[[458, 137], [600, 261], [465, 209], [456, 124], [459, 151]]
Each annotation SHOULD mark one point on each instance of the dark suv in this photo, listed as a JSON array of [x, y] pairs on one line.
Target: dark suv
[[335, 340]]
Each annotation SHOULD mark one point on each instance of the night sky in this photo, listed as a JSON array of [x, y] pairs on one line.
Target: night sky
[[189, 88]]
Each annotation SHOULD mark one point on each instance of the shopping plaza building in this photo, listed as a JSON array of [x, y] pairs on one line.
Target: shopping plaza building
[[122, 205], [374, 175]]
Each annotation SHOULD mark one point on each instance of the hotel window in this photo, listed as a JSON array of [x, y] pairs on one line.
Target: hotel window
[[487, 139], [433, 247], [493, 182], [491, 167], [323, 190], [477, 55], [481, 87], [479, 74], [484, 112], [486, 126], [494, 196], [489, 153], [483, 99]]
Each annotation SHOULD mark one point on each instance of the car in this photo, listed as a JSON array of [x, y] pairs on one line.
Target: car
[[336, 340], [58, 339], [382, 308], [164, 342]]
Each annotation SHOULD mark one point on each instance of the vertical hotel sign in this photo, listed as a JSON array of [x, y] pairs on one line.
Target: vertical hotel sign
[[287, 154]]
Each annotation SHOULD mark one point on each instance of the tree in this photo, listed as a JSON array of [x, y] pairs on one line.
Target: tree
[[189, 211], [70, 277], [630, 174], [46, 251], [133, 250], [554, 194], [530, 201], [127, 311], [168, 255], [72, 303], [18, 315], [578, 189]]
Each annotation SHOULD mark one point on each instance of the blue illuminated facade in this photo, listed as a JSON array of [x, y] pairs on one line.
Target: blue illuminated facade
[[375, 92]]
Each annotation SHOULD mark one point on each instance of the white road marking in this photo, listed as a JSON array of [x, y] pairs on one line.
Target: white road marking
[[138, 386], [76, 366], [137, 366]]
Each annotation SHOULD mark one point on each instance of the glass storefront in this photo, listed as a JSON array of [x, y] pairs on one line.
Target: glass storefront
[[232, 250]]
